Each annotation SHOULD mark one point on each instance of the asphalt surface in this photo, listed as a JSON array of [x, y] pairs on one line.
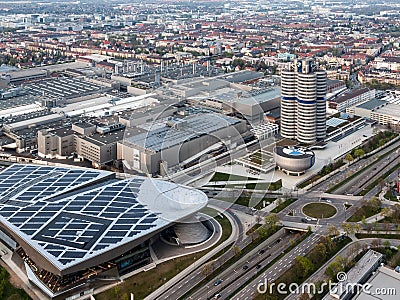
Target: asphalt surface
[[187, 283], [236, 274], [372, 173], [280, 267], [367, 165], [232, 281]]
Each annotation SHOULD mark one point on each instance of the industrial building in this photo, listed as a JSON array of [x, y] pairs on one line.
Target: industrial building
[[156, 147], [353, 97], [64, 88], [303, 102], [243, 101], [97, 144], [73, 230], [352, 283], [387, 280], [341, 125], [383, 112]]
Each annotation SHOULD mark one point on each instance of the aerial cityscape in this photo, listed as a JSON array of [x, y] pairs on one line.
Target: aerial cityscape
[[211, 149]]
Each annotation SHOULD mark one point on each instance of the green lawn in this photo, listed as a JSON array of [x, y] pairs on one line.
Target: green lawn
[[7, 290], [319, 210], [389, 195], [270, 186], [230, 177], [364, 211], [144, 283]]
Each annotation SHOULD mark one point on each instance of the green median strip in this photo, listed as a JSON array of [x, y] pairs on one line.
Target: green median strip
[[272, 262], [335, 187], [229, 263], [376, 182]]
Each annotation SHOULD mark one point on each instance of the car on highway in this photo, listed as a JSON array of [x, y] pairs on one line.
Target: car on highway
[[218, 282], [261, 251], [245, 267], [278, 241], [258, 266], [217, 296], [304, 220]]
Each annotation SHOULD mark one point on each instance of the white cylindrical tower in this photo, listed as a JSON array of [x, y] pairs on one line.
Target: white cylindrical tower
[[288, 104], [303, 103]]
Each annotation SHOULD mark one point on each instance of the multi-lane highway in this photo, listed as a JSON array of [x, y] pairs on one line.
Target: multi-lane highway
[[228, 281], [367, 165], [280, 267]]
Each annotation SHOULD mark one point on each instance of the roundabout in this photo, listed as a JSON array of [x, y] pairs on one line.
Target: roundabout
[[319, 210]]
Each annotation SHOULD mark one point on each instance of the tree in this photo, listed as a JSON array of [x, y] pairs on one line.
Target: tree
[[376, 243], [318, 253], [375, 203], [332, 231], [271, 220], [363, 221], [386, 212], [236, 250], [357, 228], [348, 157], [348, 228], [206, 270], [304, 296], [387, 244], [303, 267], [333, 269], [359, 152]]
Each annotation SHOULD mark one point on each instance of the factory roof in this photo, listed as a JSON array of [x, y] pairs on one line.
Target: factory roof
[[372, 104], [173, 131]]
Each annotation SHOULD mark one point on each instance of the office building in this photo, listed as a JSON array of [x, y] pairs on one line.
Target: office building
[[383, 112], [353, 97], [303, 102]]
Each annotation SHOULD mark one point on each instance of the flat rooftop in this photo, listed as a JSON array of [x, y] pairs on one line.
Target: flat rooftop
[[105, 139], [165, 134], [254, 97], [364, 267], [350, 95], [64, 88], [242, 76], [384, 278], [389, 109], [372, 104]]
